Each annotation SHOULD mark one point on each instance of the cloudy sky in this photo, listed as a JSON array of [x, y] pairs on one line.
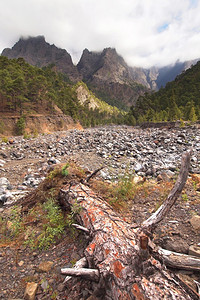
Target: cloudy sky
[[144, 32]]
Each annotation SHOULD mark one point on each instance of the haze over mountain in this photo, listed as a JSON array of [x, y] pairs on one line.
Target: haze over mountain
[[106, 72]]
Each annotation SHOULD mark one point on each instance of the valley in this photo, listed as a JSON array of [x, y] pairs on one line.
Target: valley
[[150, 156]]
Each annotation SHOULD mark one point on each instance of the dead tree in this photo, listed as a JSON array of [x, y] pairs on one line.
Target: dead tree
[[121, 259]]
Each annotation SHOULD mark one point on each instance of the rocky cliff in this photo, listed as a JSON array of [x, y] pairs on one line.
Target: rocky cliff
[[106, 72], [108, 75], [36, 51]]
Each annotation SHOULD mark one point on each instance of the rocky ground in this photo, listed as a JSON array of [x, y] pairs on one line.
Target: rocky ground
[[153, 155]]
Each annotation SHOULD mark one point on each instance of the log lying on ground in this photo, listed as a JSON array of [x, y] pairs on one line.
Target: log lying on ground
[[120, 253]]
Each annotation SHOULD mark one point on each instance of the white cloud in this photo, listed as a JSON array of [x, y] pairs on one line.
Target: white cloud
[[144, 32]]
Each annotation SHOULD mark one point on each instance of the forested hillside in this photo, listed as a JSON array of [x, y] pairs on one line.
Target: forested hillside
[[29, 90], [180, 99]]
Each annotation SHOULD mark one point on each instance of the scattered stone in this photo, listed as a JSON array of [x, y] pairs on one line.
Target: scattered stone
[[30, 291], [195, 222], [45, 266], [44, 285], [61, 287], [178, 245], [2, 162], [4, 182], [20, 264]]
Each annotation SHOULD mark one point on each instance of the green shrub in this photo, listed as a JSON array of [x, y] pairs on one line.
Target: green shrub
[[4, 139], [2, 127], [20, 126], [64, 170]]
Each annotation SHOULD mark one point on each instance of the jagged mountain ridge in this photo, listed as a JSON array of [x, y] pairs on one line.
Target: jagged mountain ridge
[[106, 72], [37, 52], [108, 75]]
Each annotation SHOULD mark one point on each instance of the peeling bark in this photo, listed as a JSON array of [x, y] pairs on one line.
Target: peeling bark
[[120, 253]]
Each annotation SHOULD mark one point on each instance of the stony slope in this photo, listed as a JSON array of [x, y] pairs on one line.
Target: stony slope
[[24, 164]]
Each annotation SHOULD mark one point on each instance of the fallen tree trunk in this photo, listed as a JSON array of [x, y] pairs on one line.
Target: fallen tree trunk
[[119, 253]]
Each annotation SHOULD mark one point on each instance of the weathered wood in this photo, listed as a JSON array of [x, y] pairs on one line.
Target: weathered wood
[[81, 263], [179, 260], [163, 210], [81, 228], [91, 274], [116, 251], [93, 174]]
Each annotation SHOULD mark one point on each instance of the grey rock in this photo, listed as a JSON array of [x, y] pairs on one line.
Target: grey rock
[[176, 245], [4, 182]]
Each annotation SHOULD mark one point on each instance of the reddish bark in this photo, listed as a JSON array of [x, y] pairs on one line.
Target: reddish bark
[[120, 252]]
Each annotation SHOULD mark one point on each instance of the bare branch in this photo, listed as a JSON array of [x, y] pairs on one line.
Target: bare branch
[[163, 210], [179, 260], [93, 174], [91, 274], [81, 263], [81, 228]]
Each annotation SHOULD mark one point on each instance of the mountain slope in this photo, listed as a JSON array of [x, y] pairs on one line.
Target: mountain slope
[[28, 90], [169, 73], [108, 75], [106, 72], [180, 99], [37, 52]]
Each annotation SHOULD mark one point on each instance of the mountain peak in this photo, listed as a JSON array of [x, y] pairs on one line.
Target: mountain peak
[[36, 51]]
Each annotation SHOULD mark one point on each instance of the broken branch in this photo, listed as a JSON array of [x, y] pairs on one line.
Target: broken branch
[[179, 260], [163, 210], [91, 274], [81, 263], [81, 228]]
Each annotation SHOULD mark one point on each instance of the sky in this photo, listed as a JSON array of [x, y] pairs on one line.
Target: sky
[[145, 32]]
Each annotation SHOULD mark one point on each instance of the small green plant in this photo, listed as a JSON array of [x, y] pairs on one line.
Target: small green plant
[[26, 136], [182, 123], [185, 197], [53, 226], [4, 139], [124, 190], [16, 221], [75, 209], [30, 240], [35, 133], [54, 173], [64, 170]]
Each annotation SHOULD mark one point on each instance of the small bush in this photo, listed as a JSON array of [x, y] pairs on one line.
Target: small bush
[[20, 126], [4, 139], [2, 127], [64, 170]]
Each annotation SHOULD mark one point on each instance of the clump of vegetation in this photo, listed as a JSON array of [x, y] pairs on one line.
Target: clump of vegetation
[[20, 125], [53, 224], [2, 127], [4, 139], [64, 170], [28, 89], [179, 100]]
